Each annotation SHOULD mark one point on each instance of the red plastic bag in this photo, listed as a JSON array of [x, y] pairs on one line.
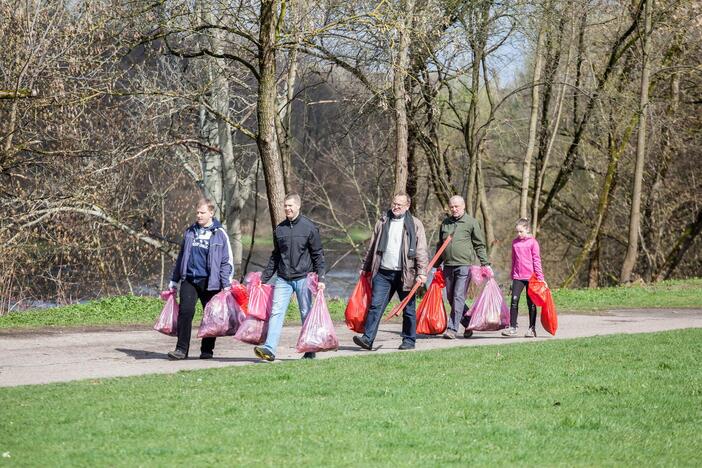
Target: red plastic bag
[[221, 316], [359, 302], [540, 295], [317, 333], [478, 278], [241, 295], [260, 297], [431, 314], [167, 322], [489, 311], [252, 330]]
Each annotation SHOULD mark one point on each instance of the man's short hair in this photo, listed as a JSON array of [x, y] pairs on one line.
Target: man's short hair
[[402, 194], [456, 198], [206, 202], [293, 196]]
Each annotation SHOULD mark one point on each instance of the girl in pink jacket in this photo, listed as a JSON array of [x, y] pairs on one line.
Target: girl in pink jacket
[[526, 260]]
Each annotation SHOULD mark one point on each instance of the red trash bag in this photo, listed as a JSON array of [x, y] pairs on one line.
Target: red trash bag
[[359, 302], [241, 295], [317, 333], [221, 316], [489, 311], [252, 330], [541, 296], [167, 322], [260, 297], [478, 277], [431, 314]]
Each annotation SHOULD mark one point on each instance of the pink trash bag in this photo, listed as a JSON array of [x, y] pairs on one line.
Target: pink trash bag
[[478, 277], [221, 317], [489, 311], [317, 333], [167, 322], [252, 330], [260, 296]]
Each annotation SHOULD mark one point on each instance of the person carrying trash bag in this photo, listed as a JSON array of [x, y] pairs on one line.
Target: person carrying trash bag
[[467, 247], [396, 259], [297, 250], [526, 261], [204, 267]]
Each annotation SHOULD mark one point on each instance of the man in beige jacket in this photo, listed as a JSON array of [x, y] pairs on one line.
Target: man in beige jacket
[[396, 259]]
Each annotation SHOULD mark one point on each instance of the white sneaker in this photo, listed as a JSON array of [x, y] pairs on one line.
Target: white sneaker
[[531, 333], [511, 331]]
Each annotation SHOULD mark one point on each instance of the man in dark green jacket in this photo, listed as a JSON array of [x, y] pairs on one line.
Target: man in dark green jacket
[[467, 247]]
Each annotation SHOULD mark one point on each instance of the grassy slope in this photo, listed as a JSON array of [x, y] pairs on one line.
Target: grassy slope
[[616, 400], [126, 310]]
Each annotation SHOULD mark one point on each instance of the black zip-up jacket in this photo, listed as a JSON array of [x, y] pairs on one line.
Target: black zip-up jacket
[[297, 250]]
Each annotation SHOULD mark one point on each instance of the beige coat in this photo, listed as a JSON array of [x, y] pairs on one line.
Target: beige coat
[[411, 268]]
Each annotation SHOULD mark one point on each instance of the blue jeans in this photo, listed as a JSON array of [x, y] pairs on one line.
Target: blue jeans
[[281, 299], [385, 284]]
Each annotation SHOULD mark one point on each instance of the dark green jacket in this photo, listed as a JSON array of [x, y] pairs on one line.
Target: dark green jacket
[[467, 245]]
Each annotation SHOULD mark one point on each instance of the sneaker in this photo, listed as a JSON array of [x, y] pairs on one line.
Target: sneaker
[[206, 355], [467, 333], [406, 345], [177, 355], [450, 335], [309, 355], [363, 342], [264, 354], [531, 333], [511, 331]]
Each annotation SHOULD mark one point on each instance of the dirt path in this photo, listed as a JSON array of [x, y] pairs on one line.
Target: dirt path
[[27, 358]]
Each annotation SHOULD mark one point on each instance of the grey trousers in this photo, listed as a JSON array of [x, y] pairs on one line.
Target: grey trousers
[[457, 280]]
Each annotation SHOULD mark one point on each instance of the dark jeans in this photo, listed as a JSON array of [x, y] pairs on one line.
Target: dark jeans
[[385, 284], [189, 294], [457, 280], [517, 287]]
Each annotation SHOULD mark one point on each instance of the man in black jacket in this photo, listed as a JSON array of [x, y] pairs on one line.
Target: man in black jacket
[[297, 250]]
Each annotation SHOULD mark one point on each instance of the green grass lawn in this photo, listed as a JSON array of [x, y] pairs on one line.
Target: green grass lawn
[[136, 310], [622, 400]]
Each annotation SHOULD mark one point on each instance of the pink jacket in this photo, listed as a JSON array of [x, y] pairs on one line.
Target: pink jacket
[[526, 259]]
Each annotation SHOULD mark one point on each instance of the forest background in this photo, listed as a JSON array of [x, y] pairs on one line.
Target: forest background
[[115, 116]]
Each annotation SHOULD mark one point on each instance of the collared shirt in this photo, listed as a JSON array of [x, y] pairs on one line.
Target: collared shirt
[[392, 260]]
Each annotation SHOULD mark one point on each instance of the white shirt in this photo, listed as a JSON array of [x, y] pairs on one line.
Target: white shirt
[[392, 259]]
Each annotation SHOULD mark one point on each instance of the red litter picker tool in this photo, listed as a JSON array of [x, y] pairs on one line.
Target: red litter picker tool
[[400, 307]]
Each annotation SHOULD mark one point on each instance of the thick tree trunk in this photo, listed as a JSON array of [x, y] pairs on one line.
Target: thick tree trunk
[[635, 216], [266, 138], [400, 96]]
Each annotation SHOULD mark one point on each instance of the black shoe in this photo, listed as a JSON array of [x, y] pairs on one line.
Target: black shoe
[[467, 333], [264, 354], [309, 355], [177, 355], [206, 355], [363, 342], [406, 345]]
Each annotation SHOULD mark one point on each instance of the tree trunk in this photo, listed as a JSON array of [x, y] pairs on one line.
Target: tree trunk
[[485, 208], [635, 216], [593, 274], [266, 137], [400, 95], [680, 247], [533, 117]]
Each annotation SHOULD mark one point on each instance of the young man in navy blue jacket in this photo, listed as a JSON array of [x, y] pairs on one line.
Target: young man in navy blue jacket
[[205, 267]]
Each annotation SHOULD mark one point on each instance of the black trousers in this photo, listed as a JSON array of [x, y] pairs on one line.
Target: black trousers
[[189, 294], [517, 287]]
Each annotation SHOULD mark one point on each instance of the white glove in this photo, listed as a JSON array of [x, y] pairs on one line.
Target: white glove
[[172, 285]]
